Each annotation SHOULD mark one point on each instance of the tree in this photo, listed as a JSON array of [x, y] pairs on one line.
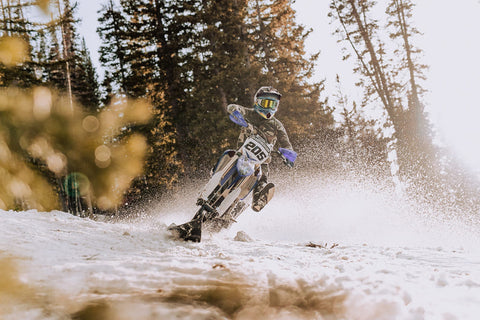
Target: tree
[[113, 50], [15, 24], [362, 33], [221, 73], [414, 128], [88, 93], [364, 148], [66, 65], [50, 147], [394, 78], [146, 64], [66, 152], [279, 45], [54, 67], [80, 74]]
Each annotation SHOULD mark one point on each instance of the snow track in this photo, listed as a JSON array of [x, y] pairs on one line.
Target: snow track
[[71, 267], [388, 264]]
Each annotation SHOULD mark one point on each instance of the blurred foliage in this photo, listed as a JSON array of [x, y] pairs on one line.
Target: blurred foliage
[[57, 139], [44, 5], [52, 153], [13, 291], [13, 50]]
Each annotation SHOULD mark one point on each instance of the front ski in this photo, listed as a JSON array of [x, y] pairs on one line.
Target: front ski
[[190, 231]]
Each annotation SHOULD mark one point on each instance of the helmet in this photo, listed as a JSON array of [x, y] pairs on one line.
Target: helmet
[[267, 100]]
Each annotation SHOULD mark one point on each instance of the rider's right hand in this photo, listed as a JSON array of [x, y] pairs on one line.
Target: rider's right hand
[[251, 129]]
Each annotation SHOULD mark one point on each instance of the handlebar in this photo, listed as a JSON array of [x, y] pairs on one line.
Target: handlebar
[[237, 118], [288, 156]]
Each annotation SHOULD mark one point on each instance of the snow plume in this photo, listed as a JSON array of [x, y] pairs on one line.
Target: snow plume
[[345, 208], [356, 207]]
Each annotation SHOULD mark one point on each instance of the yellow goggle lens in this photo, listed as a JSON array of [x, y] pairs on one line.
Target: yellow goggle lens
[[268, 104]]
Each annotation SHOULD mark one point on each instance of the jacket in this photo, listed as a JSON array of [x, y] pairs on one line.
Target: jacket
[[272, 129]]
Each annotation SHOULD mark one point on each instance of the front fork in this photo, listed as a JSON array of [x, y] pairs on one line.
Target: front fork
[[205, 207], [225, 177]]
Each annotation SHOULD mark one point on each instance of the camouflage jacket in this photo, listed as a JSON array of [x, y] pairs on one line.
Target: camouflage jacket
[[272, 129]]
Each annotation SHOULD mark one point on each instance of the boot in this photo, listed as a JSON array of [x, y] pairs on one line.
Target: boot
[[262, 196]]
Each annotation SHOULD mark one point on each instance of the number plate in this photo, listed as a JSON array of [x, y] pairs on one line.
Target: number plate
[[256, 150]]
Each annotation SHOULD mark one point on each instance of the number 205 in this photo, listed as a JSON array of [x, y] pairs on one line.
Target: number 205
[[255, 150]]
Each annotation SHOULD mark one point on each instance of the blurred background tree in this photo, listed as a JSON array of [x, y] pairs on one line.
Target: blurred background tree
[[50, 147], [56, 153]]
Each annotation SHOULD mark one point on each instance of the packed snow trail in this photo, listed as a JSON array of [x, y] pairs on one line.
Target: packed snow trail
[[340, 255]]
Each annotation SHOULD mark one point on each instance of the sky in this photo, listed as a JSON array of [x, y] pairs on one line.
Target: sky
[[451, 45]]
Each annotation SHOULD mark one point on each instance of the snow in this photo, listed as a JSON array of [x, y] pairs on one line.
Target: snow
[[343, 254]]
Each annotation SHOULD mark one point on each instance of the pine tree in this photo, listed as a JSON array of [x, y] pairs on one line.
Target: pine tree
[[222, 73], [279, 45], [364, 149], [458, 188], [415, 129], [88, 94], [382, 78], [150, 67], [15, 24], [54, 68], [81, 74], [112, 31], [141, 64]]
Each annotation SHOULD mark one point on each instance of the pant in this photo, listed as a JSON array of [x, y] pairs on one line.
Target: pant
[[262, 182]]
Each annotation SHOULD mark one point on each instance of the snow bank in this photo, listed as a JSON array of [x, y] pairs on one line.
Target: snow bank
[[56, 266]]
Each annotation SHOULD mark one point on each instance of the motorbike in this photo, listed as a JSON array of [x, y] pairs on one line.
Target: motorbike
[[233, 178]]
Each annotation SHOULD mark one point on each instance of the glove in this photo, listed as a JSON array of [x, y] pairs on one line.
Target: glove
[[288, 163], [251, 129]]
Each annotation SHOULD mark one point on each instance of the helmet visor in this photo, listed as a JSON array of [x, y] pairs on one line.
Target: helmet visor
[[267, 103]]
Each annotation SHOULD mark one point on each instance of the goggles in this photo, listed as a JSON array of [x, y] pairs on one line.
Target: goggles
[[267, 103]]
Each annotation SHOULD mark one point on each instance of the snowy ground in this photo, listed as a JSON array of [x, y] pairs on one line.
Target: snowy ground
[[381, 261]]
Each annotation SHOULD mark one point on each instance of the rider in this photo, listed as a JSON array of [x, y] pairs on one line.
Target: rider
[[261, 117]]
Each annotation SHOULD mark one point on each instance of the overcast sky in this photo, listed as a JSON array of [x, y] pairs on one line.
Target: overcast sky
[[452, 50]]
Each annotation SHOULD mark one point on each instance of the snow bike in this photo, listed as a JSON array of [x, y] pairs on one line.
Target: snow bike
[[233, 178]]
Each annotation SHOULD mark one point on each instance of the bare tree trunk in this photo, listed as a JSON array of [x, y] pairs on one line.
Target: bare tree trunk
[[408, 50], [5, 26], [223, 98], [118, 44], [382, 84], [9, 12], [66, 57], [418, 110]]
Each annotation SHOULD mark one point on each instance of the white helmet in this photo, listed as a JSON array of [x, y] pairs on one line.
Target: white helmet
[[267, 100]]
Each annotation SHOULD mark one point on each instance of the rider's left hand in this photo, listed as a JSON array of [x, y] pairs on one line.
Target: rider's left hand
[[288, 163]]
